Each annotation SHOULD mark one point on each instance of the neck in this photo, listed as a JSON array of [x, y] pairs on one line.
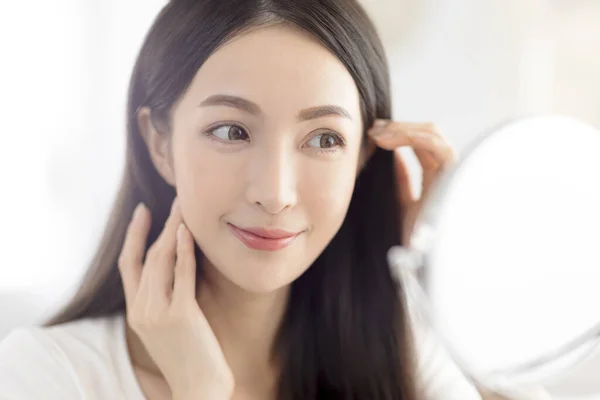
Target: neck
[[244, 323]]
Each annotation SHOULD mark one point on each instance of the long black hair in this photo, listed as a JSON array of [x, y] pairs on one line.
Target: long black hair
[[346, 332]]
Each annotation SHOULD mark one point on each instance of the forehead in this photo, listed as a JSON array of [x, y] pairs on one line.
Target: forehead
[[280, 68]]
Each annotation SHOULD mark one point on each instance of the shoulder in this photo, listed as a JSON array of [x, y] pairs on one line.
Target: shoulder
[[438, 375], [33, 366], [67, 361]]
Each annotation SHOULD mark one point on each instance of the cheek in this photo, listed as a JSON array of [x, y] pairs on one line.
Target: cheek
[[206, 185], [327, 190]]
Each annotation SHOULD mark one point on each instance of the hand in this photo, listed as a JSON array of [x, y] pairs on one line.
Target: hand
[[434, 155], [162, 308], [432, 151]]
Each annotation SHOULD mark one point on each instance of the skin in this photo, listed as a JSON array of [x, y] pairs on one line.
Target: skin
[[287, 168], [280, 178]]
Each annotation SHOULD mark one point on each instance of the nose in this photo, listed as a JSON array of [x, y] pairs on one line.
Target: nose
[[272, 183]]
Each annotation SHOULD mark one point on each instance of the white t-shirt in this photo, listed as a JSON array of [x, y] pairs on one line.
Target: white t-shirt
[[88, 359]]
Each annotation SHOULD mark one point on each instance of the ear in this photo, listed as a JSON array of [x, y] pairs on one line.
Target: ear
[[158, 144]]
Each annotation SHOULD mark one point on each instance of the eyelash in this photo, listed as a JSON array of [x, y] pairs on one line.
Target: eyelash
[[341, 142], [340, 145], [210, 133]]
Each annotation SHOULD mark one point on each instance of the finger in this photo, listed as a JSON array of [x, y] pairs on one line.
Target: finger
[[132, 254], [184, 286], [397, 136], [390, 140], [157, 279], [165, 245], [434, 154], [432, 150], [381, 125], [392, 134]]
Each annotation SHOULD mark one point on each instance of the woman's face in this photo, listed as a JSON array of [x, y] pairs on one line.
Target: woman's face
[[267, 138]]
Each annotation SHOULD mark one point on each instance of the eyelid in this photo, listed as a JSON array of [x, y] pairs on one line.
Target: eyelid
[[342, 140], [221, 124], [210, 129], [340, 146], [208, 132]]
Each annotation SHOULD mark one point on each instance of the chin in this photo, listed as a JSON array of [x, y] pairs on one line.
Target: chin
[[259, 272], [258, 284], [260, 277]]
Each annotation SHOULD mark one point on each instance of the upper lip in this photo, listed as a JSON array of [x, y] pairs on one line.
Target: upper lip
[[269, 233]]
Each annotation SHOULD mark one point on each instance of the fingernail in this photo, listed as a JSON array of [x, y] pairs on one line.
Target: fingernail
[[138, 210]]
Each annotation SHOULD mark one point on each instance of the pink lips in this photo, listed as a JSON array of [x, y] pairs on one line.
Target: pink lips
[[264, 239]]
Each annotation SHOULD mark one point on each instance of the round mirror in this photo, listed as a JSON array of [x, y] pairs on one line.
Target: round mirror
[[509, 241]]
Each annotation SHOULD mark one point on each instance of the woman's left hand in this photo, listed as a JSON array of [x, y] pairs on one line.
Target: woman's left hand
[[433, 152]]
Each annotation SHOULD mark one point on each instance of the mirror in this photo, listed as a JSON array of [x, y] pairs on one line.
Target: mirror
[[509, 246]]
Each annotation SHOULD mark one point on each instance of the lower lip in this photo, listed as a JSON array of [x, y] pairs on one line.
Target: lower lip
[[256, 242]]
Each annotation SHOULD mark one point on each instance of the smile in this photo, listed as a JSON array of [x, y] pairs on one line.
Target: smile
[[264, 239]]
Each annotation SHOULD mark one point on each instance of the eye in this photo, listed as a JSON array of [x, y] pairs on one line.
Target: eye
[[230, 133], [326, 141]]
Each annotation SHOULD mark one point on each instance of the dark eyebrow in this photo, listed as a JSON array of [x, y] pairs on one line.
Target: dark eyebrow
[[253, 108], [323, 111], [231, 101]]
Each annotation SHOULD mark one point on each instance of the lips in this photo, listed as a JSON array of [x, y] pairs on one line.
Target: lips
[[264, 239]]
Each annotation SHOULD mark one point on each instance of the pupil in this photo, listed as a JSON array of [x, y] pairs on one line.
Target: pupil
[[235, 133], [327, 141]]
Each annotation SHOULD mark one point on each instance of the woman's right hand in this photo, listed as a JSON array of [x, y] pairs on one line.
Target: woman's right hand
[[162, 309]]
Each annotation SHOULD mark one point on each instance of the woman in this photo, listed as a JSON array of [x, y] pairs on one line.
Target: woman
[[254, 266]]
